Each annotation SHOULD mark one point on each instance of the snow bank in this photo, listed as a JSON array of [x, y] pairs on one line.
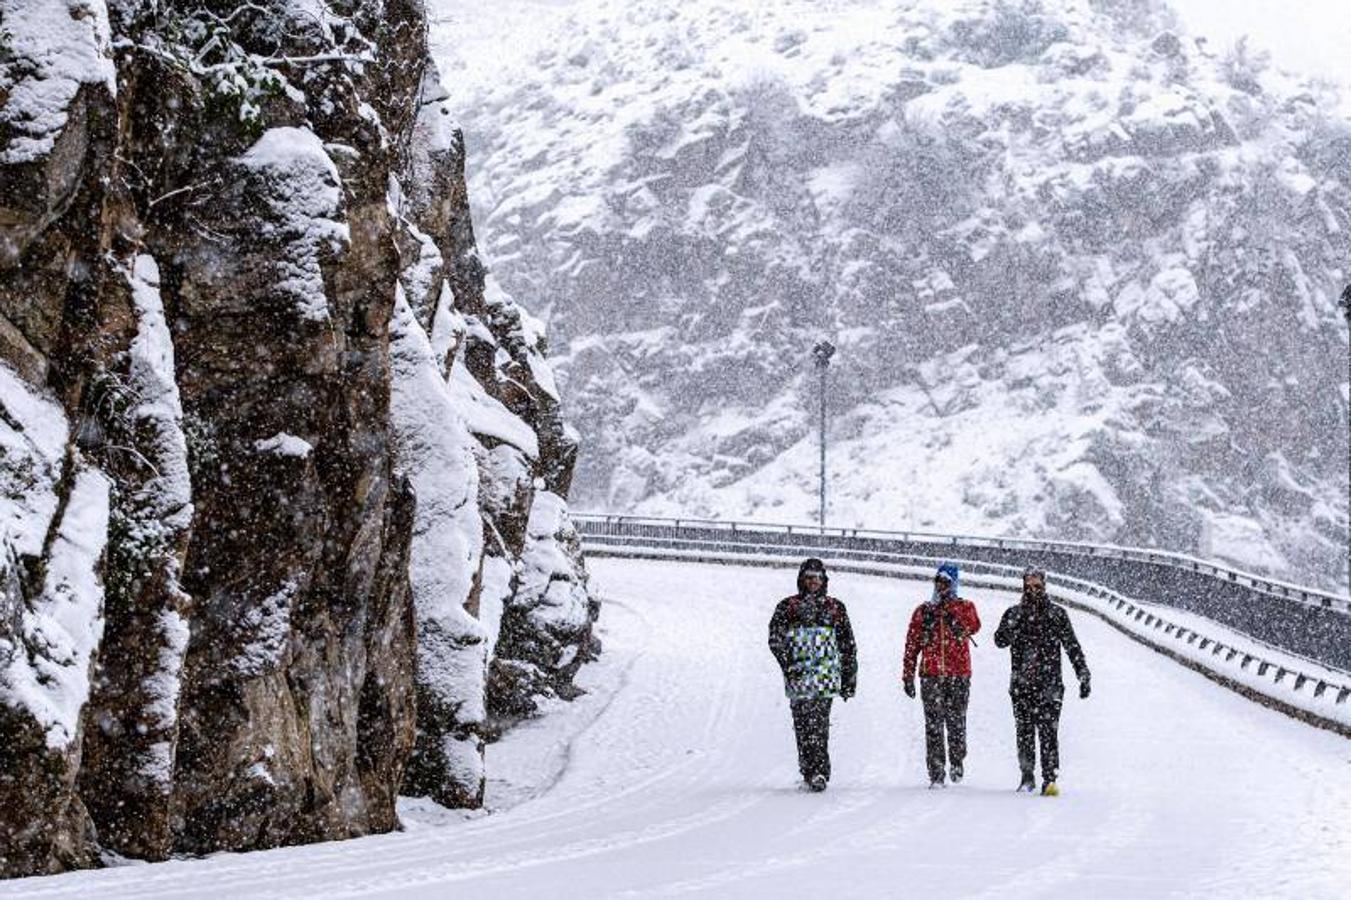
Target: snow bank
[[54, 47], [303, 193]]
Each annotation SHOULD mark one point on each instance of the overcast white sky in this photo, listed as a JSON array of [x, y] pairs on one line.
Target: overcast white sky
[[1311, 36]]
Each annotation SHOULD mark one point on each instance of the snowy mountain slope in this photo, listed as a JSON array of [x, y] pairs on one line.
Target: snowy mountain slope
[[684, 781], [1081, 267]]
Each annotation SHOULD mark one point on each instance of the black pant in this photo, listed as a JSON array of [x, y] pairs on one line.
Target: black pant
[[811, 724], [1036, 717], [945, 699]]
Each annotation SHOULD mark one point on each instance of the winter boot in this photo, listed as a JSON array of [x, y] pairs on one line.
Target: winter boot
[[1048, 789], [1028, 783], [955, 773], [817, 783]]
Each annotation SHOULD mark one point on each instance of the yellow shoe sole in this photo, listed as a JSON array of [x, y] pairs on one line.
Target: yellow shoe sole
[[1050, 790]]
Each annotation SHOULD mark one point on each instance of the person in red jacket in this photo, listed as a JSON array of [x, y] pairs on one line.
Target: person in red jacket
[[936, 643]]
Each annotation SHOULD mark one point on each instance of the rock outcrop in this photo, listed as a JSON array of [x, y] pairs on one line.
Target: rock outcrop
[[271, 447]]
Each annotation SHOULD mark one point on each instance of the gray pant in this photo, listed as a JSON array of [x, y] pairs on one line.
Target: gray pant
[[945, 699]]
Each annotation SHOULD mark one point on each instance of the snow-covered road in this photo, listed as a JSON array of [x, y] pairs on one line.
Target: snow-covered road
[[680, 778]]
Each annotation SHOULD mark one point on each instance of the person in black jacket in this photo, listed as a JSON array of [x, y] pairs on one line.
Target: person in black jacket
[[1035, 631], [813, 642]]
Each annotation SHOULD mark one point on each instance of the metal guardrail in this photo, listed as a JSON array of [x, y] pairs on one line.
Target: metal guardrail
[[1312, 624], [1273, 587], [1270, 676]]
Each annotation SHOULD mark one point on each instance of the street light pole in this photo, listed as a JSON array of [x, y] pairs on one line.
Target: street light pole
[[822, 353], [1346, 311]]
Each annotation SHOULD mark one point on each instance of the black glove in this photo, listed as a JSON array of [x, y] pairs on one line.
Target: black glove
[[1083, 689], [910, 689]]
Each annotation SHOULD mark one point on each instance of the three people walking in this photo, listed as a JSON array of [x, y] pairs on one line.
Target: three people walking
[[937, 643], [813, 642]]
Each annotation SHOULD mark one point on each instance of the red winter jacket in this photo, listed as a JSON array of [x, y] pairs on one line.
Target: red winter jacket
[[945, 652]]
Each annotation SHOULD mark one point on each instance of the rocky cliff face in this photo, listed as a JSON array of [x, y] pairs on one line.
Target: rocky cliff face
[[1081, 267], [272, 448]]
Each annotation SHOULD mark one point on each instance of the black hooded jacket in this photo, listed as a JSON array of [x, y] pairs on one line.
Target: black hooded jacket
[[807, 610], [1035, 630]]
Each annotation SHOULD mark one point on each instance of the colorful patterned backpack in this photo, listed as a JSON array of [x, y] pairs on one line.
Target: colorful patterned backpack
[[814, 669]]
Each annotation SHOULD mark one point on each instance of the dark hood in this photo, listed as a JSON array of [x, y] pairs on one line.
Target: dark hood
[[808, 564]]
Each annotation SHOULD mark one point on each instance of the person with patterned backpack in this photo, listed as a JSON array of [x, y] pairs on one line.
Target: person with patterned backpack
[[813, 642], [939, 632]]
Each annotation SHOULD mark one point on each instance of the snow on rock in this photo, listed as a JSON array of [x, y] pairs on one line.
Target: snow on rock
[[163, 501], [546, 624], [303, 194], [549, 585], [491, 356], [48, 667], [163, 689], [48, 640], [266, 626], [48, 50], [128, 760], [485, 415], [158, 408], [496, 589], [283, 444], [448, 326], [435, 452], [33, 433]]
